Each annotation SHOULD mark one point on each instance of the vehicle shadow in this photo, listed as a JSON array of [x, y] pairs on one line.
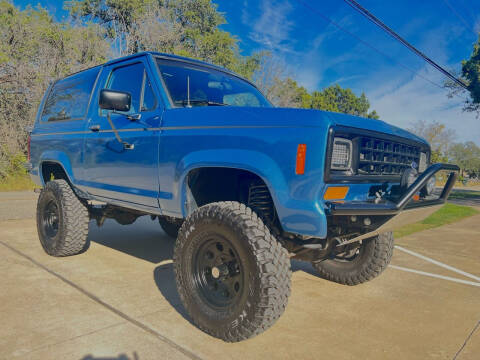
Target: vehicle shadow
[[143, 239], [165, 281], [304, 266]]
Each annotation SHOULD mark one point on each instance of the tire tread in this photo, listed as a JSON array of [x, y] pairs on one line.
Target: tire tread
[[372, 267], [271, 257], [75, 220]]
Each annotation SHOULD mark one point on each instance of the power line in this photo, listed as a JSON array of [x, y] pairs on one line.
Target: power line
[[367, 44], [460, 17], [404, 42]]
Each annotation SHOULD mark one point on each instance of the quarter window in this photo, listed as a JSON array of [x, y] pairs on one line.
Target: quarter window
[[68, 99]]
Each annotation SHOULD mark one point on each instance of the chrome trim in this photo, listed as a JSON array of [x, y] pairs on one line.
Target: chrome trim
[[169, 128]]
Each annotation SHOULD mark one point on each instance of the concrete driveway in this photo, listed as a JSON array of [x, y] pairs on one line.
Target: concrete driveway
[[118, 301]]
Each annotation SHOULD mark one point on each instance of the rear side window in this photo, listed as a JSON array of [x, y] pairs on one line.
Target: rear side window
[[134, 80], [69, 98]]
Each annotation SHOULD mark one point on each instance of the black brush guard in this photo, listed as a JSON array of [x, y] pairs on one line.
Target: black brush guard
[[403, 211]]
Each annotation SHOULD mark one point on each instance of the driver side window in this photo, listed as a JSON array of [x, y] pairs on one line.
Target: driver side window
[[134, 80]]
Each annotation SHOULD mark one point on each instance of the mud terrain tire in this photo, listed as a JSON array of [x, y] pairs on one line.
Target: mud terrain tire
[[62, 220], [257, 269], [373, 257]]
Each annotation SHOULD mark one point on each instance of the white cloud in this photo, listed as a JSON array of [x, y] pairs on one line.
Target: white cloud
[[272, 28], [402, 101], [415, 100]]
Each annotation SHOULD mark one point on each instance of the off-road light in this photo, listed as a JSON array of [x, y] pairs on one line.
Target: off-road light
[[341, 154], [422, 166]]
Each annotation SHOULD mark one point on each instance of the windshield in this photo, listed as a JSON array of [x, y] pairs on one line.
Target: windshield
[[192, 85]]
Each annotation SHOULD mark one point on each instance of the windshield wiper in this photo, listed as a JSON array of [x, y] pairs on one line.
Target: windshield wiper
[[209, 103]]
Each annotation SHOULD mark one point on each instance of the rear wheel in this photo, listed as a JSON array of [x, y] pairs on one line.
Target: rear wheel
[[232, 275], [62, 220], [170, 226], [365, 264]]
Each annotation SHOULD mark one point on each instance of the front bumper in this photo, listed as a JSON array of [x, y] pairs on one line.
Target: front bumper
[[403, 211]]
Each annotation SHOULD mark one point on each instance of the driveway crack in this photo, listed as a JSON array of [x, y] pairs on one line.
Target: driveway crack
[[477, 326], [116, 311]]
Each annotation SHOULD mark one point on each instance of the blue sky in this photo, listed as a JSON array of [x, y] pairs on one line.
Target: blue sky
[[318, 54]]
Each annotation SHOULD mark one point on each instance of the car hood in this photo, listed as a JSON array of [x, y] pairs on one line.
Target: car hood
[[275, 117]]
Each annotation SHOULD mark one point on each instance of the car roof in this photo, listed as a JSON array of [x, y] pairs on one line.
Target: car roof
[[166, 56], [163, 56]]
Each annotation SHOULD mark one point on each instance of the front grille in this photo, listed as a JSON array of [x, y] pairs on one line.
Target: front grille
[[385, 157]]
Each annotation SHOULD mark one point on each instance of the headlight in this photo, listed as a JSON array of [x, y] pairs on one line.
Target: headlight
[[341, 154], [430, 186], [408, 178], [422, 166]]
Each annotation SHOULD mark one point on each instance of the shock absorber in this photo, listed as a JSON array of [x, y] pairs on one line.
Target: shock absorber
[[261, 202]]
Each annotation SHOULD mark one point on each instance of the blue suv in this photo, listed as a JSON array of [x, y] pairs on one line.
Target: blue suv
[[243, 187]]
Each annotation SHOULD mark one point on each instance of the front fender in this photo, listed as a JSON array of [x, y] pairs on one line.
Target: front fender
[[296, 216]]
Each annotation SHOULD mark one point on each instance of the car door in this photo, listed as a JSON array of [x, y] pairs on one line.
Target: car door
[[112, 170]]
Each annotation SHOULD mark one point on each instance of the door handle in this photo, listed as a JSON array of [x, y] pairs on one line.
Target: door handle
[[95, 128]]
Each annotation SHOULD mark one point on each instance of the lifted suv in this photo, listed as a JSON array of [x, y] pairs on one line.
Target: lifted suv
[[242, 186]]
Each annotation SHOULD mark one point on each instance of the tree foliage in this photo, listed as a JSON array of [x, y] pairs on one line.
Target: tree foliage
[[183, 27], [467, 157], [287, 93], [470, 74], [438, 136], [34, 50], [276, 82]]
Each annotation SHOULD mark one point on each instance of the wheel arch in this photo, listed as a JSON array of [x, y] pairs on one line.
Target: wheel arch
[[208, 184], [249, 162], [57, 163]]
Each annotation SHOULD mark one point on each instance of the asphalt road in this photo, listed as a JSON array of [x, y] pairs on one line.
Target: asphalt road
[[119, 301]]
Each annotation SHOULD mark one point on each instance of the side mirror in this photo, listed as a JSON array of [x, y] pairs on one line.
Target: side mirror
[[114, 100]]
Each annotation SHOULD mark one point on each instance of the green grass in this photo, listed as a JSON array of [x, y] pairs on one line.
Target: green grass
[[448, 214], [17, 183], [464, 195]]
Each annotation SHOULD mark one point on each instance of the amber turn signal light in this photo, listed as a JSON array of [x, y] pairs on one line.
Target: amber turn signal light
[[301, 154], [336, 193]]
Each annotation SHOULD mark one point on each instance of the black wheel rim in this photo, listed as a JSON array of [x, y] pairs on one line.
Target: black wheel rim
[[218, 273], [50, 219]]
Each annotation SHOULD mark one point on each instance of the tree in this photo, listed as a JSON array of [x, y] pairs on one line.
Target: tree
[[470, 74], [287, 93], [275, 80], [337, 99], [437, 135], [183, 27], [467, 157], [35, 50]]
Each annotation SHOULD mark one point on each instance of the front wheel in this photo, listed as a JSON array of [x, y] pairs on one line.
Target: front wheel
[[232, 275], [369, 261]]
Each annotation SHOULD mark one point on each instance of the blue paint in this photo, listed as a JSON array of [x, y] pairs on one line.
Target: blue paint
[[169, 142]]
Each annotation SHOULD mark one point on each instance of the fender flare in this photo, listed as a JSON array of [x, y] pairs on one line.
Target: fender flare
[[59, 158], [296, 216], [252, 161]]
